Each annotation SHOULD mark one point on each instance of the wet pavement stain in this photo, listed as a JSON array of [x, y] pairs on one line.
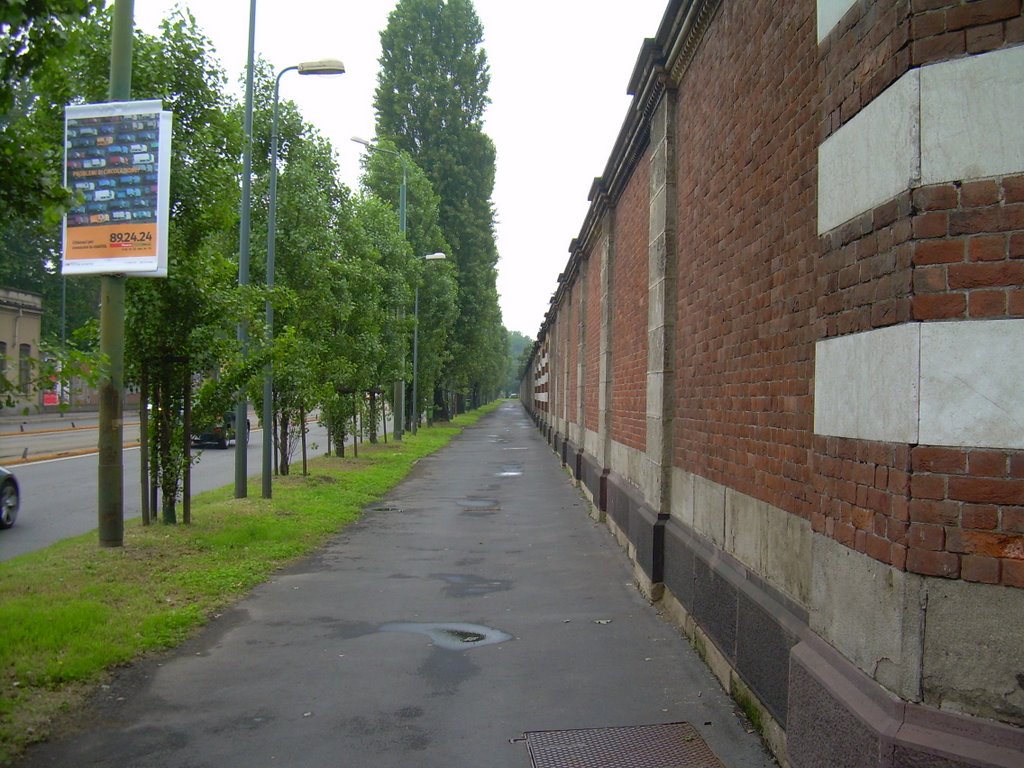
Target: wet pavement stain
[[465, 585], [480, 504], [451, 637]]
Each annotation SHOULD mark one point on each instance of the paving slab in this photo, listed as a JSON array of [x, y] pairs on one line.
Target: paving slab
[[477, 603]]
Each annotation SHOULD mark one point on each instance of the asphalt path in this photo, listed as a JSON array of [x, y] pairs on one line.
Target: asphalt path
[[477, 602], [59, 496]]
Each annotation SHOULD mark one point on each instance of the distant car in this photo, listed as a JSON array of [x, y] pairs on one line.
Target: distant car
[[9, 498], [220, 434]]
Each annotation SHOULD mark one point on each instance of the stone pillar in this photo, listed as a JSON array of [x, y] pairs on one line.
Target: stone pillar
[[604, 396], [581, 368], [661, 306]]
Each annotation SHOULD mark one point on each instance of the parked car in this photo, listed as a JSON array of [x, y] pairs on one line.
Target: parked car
[[9, 498], [220, 434]]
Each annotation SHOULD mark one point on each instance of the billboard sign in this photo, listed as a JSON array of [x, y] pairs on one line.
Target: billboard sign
[[117, 161]]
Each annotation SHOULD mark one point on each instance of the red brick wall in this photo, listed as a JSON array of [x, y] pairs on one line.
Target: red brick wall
[[969, 253], [757, 287], [943, 252], [946, 29], [573, 335], [746, 146], [629, 311], [865, 273], [592, 341], [877, 41]]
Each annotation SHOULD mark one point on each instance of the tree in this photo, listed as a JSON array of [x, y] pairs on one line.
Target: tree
[[181, 327], [438, 298], [518, 347], [35, 36], [430, 98]]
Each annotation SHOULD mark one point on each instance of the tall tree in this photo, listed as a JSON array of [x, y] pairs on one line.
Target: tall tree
[[438, 307], [430, 100], [35, 36], [179, 327]]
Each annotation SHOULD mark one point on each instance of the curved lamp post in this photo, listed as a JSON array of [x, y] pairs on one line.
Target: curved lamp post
[[416, 344], [322, 67], [399, 385]]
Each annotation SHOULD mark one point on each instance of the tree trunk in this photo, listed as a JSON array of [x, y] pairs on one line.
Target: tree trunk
[[373, 417], [168, 483], [355, 428], [441, 411], [302, 421], [186, 482], [144, 442], [283, 443]]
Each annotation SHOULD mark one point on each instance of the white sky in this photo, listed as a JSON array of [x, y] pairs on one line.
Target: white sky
[[559, 72]]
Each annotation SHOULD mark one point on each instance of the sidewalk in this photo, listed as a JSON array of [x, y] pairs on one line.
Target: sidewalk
[[477, 603]]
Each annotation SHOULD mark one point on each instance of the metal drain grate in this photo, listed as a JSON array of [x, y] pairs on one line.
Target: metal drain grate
[[671, 745]]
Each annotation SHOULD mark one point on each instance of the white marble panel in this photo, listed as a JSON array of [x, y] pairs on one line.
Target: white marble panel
[[872, 158], [972, 110], [866, 385], [829, 14], [972, 383]]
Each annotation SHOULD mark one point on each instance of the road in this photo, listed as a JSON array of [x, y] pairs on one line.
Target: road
[[58, 496]]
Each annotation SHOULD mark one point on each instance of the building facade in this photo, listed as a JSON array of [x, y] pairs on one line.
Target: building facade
[[21, 314], [786, 361]]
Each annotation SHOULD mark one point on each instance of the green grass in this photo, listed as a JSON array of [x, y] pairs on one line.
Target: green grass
[[72, 612]]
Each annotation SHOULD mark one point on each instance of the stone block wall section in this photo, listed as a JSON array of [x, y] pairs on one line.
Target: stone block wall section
[[785, 360]]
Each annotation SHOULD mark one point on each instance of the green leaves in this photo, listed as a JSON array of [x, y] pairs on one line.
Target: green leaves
[[430, 100]]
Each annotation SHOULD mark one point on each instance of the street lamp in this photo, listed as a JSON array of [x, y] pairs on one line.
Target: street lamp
[[400, 385], [242, 404], [416, 344], [322, 67]]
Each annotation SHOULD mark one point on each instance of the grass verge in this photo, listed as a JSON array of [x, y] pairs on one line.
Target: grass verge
[[72, 612]]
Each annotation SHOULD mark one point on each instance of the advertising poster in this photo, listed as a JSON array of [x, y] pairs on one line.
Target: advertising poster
[[117, 162]]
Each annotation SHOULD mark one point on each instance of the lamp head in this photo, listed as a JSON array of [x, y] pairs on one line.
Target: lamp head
[[360, 140], [435, 256], [322, 67]]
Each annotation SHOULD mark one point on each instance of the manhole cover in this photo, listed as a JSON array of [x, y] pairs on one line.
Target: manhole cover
[[671, 745]]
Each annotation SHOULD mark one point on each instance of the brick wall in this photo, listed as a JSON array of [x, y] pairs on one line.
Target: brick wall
[[879, 40], [592, 341], [865, 273], [746, 243], [969, 251], [572, 332], [827, 393], [629, 315], [950, 251], [966, 514]]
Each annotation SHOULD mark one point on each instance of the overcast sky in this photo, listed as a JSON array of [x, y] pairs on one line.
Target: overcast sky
[[559, 71]]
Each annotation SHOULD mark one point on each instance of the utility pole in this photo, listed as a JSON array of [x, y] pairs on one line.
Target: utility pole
[[110, 472], [242, 406]]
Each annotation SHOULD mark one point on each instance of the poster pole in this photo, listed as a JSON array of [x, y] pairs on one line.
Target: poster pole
[[110, 471]]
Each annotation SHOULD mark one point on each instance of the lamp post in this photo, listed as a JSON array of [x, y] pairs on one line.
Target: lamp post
[[416, 345], [323, 67], [242, 405], [400, 384]]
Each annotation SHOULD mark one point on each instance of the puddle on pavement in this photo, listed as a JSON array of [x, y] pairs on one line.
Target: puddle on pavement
[[451, 637]]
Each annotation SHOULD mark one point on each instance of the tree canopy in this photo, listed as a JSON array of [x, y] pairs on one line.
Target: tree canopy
[[430, 100]]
